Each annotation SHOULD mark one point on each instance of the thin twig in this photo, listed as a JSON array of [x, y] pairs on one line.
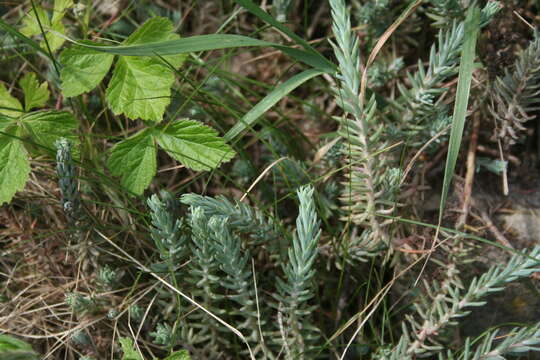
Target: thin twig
[[268, 168], [511, 158], [420, 152], [493, 229], [380, 43]]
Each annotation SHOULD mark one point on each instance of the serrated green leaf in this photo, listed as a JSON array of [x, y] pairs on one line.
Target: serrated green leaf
[[35, 95], [153, 30], [45, 127], [195, 145], [179, 355], [14, 164], [30, 22], [55, 41], [8, 102], [129, 351], [141, 86], [134, 160], [83, 69]]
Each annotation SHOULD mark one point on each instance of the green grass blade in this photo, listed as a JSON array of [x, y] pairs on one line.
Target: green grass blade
[[472, 26], [209, 42], [264, 16], [309, 58], [25, 39], [180, 46], [270, 100], [267, 18]]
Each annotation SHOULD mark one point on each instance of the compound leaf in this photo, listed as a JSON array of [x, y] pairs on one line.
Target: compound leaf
[[193, 144], [45, 127], [35, 95], [31, 24], [14, 164], [55, 41], [153, 30], [83, 69], [134, 160], [141, 86], [32, 27]]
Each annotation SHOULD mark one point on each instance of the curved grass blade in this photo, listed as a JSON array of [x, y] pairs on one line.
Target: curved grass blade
[[270, 100], [209, 42], [264, 16]]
